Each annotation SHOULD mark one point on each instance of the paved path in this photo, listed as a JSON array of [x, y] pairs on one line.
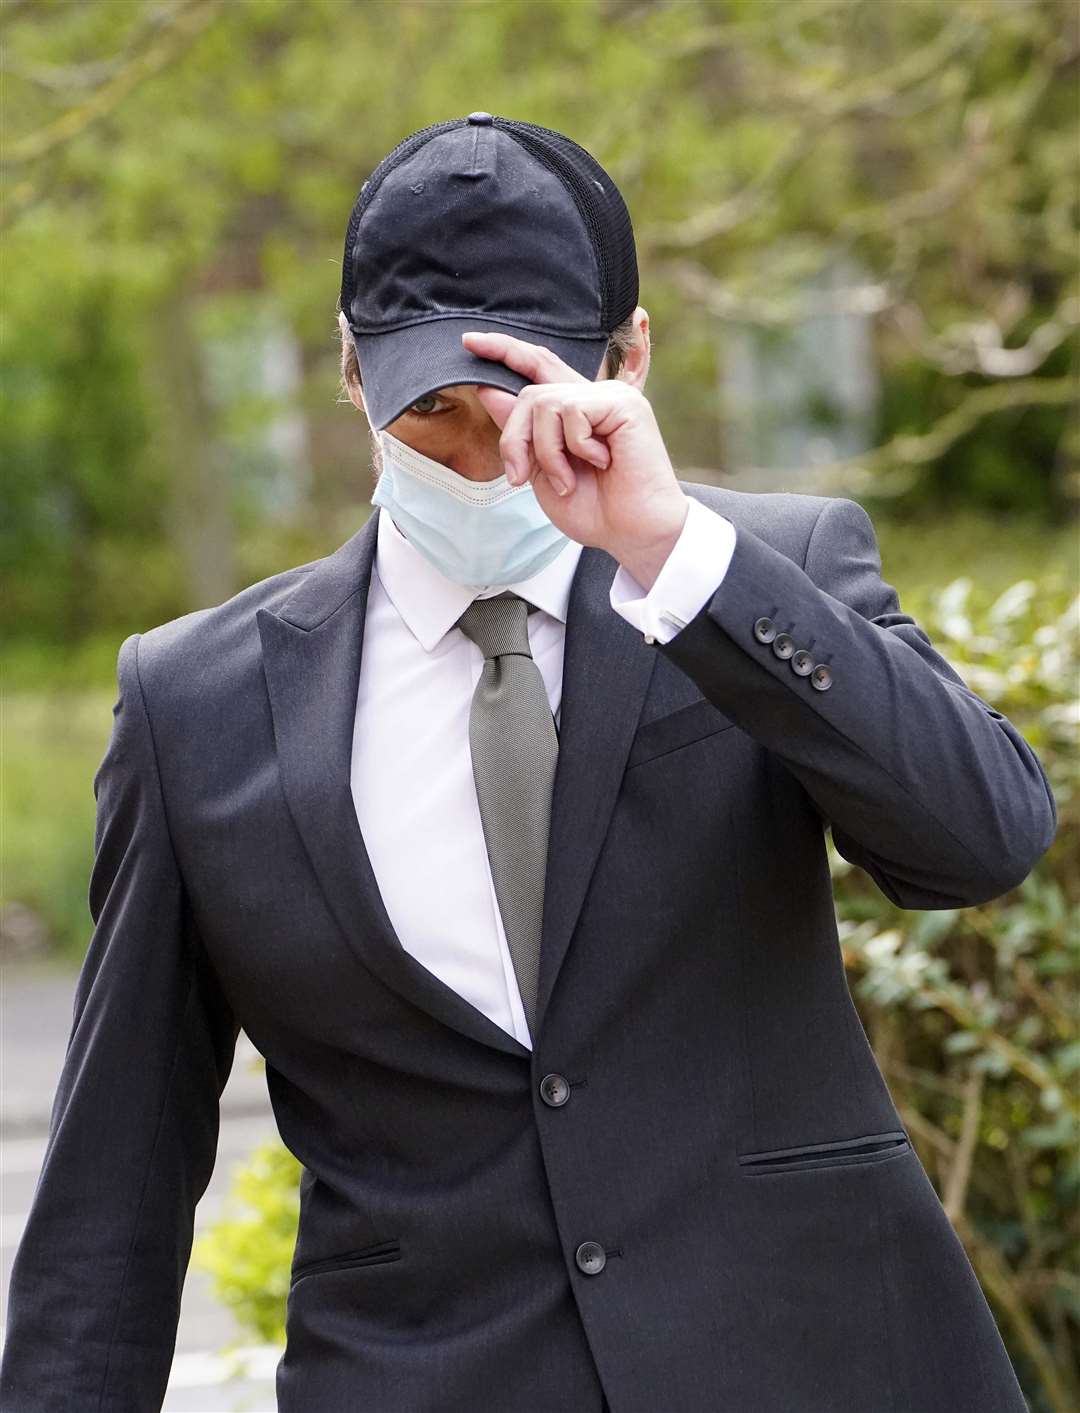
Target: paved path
[[35, 1021]]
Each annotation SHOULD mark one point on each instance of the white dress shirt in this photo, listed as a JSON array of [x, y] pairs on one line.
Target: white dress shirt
[[412, 779]]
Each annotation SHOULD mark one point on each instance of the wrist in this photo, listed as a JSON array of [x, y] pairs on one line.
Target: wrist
[[644, 559]]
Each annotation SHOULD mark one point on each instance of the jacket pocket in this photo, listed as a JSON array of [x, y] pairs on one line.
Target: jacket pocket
[[374, 1255], [683, 727], [870, 1148]]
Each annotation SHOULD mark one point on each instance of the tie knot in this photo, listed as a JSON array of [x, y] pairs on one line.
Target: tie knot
[[498, 625]]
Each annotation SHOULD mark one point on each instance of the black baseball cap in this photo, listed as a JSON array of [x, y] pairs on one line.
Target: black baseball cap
[[482, 223]]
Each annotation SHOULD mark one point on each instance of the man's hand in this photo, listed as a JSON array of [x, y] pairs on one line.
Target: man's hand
[[599, 440]]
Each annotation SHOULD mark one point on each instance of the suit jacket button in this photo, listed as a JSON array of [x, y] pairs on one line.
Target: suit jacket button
[[802, 663], [783, 645], [821, 677], [764, 630], [591, 1257], [554, 1090]]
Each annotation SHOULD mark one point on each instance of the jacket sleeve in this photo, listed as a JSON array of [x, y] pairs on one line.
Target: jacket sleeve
[[926, 787], [95, 1286]]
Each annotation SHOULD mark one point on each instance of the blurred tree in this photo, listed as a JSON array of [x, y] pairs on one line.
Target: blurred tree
[[160, 156]]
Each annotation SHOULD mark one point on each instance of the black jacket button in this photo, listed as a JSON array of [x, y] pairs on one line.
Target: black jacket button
[[764, 630], [783, 645], [554, 1090], [821, 678], [802, 663], [591, 1257]]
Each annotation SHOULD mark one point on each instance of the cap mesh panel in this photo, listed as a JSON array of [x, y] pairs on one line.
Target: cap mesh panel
[[602, 208]]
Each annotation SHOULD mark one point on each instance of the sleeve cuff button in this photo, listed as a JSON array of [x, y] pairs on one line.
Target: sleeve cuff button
[[821, 677]]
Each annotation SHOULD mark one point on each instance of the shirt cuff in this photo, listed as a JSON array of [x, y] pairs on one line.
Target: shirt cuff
[[689, 577]]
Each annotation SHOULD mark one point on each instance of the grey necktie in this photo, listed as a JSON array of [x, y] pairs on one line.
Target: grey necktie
[[515, 748]]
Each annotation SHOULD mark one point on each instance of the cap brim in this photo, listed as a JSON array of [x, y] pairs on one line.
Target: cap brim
[[402, 365]]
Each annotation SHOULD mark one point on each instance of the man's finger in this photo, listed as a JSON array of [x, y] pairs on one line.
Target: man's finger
[[578, 432], [515, 444], [547, 444], [497, 402], [538, 364]]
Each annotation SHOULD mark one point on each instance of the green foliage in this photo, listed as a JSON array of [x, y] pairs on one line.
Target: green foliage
[[972, 1012], [71, 430], [53, 742], [249, 1252], [160, 162]]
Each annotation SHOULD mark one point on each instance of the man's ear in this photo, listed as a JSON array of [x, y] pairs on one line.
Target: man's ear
[[635, 367]]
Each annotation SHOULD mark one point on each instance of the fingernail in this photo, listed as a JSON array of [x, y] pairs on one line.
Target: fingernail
[[561, 488], [511, 474]]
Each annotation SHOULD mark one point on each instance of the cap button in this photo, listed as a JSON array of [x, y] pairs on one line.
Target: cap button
[[480, 119]]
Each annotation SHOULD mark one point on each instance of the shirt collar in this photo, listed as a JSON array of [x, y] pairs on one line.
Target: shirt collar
[[430, 604]]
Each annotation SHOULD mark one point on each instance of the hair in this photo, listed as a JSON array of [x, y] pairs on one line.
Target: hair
[[620, 342]]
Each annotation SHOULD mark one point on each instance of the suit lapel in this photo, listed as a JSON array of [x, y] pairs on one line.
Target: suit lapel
[[312, 647], [606, 672]]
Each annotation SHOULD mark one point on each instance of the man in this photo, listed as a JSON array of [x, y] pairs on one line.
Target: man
[[501, 832]]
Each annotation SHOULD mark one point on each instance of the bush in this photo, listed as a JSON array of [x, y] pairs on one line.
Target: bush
[[972, 1012], [249, 1251]]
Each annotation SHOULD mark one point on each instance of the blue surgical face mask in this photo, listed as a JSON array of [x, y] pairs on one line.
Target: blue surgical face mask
[[478, 533]]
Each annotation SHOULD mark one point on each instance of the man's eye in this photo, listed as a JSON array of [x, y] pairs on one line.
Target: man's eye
[[418, 408]]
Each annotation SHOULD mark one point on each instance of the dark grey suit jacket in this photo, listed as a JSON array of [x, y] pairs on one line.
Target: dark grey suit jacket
[[696, 1192]]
